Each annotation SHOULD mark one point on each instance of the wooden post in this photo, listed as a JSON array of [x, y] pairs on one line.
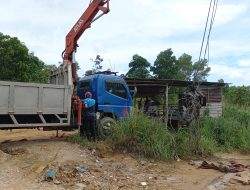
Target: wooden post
[[166, 105]]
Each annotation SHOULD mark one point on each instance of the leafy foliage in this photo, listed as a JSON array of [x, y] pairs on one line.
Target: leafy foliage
[[97, 67], [138, 67], [231, 131], [97, 63], [185, 67], [17, 64], [200, 70], [165, 65], [239, 95], [221, 81]]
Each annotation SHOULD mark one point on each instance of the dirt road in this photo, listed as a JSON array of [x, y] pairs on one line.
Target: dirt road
[[32, 159]]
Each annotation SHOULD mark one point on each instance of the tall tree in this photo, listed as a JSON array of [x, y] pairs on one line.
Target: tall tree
[[165, 65], [97, 67], [185, 67], [221, 81], [17, 64], [138, 67], [200, 70]]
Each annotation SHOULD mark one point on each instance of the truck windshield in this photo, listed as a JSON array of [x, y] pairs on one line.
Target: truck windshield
[[116, 88], [85, 85]]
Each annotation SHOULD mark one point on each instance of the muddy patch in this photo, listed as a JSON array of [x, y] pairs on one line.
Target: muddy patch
[[15, 151]]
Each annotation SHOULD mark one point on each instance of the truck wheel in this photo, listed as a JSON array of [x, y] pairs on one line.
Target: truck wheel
[[105, 127]]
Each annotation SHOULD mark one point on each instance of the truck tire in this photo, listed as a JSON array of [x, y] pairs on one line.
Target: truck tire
[[105, 127]]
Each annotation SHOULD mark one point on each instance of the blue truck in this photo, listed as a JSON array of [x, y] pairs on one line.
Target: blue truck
[[112, 94]]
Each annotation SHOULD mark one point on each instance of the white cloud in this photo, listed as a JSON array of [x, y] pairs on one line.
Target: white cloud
[[231, 73], [229, 47], [244, 63], [229, 12]]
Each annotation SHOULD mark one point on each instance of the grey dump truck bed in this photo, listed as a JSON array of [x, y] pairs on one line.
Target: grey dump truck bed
[[27, 105]]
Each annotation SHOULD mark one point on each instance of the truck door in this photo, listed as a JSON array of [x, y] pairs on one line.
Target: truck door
[[83, 87], [116, 98]]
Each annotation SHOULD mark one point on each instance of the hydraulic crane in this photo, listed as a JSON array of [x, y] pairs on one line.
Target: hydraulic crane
[[83, 23]]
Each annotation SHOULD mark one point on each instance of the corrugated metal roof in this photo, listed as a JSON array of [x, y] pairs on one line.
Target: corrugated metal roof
[[149, 87], [169, 82]]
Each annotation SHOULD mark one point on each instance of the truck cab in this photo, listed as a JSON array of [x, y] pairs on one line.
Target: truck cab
[[112, 95]]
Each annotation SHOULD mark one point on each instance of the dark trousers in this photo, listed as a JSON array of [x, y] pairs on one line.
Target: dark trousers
[[89, 126]]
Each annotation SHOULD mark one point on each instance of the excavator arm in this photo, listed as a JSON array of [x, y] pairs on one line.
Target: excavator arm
[[84, 22]]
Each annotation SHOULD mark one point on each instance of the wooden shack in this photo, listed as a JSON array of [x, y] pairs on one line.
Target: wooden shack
[[151, 87]]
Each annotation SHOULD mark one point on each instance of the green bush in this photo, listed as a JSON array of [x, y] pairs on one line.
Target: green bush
[[186, 146], [231, 131], [238, 95], [145, 136]]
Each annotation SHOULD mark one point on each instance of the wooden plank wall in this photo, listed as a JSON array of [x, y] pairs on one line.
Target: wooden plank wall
[[214, 100]]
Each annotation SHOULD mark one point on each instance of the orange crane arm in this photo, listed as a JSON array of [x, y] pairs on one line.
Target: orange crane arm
[[84, 22]]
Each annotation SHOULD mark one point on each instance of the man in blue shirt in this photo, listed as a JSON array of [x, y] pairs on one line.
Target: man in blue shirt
[[89, 117]]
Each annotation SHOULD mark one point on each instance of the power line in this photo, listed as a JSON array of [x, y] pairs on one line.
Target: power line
[[211, 26], [205, 31], [211, 22]]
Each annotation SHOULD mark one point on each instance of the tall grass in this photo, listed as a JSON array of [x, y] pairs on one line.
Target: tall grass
[[150, 137], [145, 136], [231, 131]]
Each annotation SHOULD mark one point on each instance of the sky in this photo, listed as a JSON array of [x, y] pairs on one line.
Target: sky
[[143, 27]]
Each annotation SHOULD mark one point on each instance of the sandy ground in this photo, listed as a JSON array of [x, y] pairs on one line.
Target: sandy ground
[[26, 156]]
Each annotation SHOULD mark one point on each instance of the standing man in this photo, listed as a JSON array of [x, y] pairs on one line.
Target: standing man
[[89, 117]]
